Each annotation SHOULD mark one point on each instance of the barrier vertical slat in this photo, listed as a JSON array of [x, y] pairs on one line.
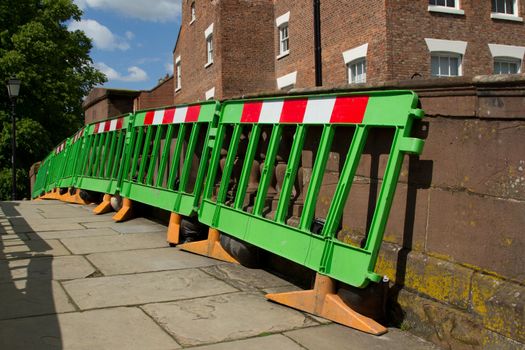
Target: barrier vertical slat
[[115, 165], [228, 166], [165, 155], [104, 155], [247, 166], [154, 155], [96, 149], [342, 190], [290, 173], [190, 150], [111, 157], [145, 152], [317, 177], [201, 172], [136, 152], [174, 169], [212, 174], [267, 171]]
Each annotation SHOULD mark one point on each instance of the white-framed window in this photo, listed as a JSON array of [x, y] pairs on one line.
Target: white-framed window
[[192, 12], [446, 57], [208, 34], [506, 65], [507, 58], [445, 64], [355, 61], [287, 81], [178, 73], [357, 71], [445, 6], [505, 9], [283, 30]]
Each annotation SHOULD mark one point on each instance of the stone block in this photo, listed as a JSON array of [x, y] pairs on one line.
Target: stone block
[[18, 249], [224, 317], [57, 268], [119, 328], [479, 231], [86, 245], [500, 304], [454, 146], [144, 288], [335, 336], [147, 260], [46, 235], [276, 341]]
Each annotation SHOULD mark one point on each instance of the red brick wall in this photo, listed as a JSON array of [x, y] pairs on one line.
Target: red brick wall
[[161, 95], [410, 22], [301, 40], [349, 24], [191, 46]]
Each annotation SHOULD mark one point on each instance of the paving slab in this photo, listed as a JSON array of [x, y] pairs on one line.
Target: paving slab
[[224, 317], [17, 236], [137, 225], [147, 260], [87, 245], [275, 341], [119, 328], [144, 288], [246, 279], [57, 268], [34, 297], [21, 226], [65, 211], [72, 233], [70, 219], [338, 337], [19, 249]]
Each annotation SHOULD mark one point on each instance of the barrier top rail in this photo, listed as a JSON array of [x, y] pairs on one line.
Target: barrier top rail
[[227, 210]]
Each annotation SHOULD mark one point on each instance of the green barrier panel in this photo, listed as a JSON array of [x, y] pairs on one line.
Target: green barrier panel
[[57, 165], [224, 205], [102, 155], [40, 185], [72, 161], [168, 156]]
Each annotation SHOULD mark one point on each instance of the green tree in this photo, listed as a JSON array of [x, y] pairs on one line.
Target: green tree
[[56, 72]]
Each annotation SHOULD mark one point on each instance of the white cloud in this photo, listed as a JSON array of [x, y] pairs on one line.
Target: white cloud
[[156, 11], [169, 68], [102, 37], [130, 35], [135, 74]]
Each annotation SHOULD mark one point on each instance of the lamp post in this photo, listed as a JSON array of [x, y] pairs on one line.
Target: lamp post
[[13, 88]]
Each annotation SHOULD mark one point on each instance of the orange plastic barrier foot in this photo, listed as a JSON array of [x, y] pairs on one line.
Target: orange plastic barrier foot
[[323, 301], [76, 199], [125, 213], [210, 247], [172, 236], [104, 206], [53, 194]]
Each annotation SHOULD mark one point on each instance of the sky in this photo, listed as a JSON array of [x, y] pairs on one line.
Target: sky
[[133, 40]]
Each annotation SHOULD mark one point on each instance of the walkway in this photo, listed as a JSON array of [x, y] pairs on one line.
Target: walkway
[[73, 280]]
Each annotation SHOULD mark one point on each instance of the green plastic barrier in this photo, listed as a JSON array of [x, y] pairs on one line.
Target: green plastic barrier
[[102, 155], [225, 209], [168, 156], [40, 185], [72, 161], [57, 165]]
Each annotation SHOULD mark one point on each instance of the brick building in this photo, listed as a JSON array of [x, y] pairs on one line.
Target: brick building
[[102, 103], [231, 48]]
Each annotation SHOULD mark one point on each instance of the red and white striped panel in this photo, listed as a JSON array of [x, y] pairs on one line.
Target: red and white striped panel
[[109, 125], [314, 110], [60, 147], [78, 135], [187, 114]]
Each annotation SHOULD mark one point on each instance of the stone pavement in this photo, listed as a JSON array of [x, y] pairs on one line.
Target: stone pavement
[[73, 280]]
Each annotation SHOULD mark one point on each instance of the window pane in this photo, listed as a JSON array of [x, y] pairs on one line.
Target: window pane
[[454, 66], [497, 68], [509, 7], [435, 65], [513, 68], [443, 66]]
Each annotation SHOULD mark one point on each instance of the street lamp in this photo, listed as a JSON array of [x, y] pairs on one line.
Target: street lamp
[[13, 88]]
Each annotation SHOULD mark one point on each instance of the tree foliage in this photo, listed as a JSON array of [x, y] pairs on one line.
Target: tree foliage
[[56, 72]]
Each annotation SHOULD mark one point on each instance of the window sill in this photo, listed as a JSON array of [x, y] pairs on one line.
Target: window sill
[[191, 22], [443, 9], [284, 54], [177, 89], [208, 64], [506, 17]]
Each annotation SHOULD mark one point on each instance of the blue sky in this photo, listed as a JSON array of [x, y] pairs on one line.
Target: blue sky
[[133, 40]]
